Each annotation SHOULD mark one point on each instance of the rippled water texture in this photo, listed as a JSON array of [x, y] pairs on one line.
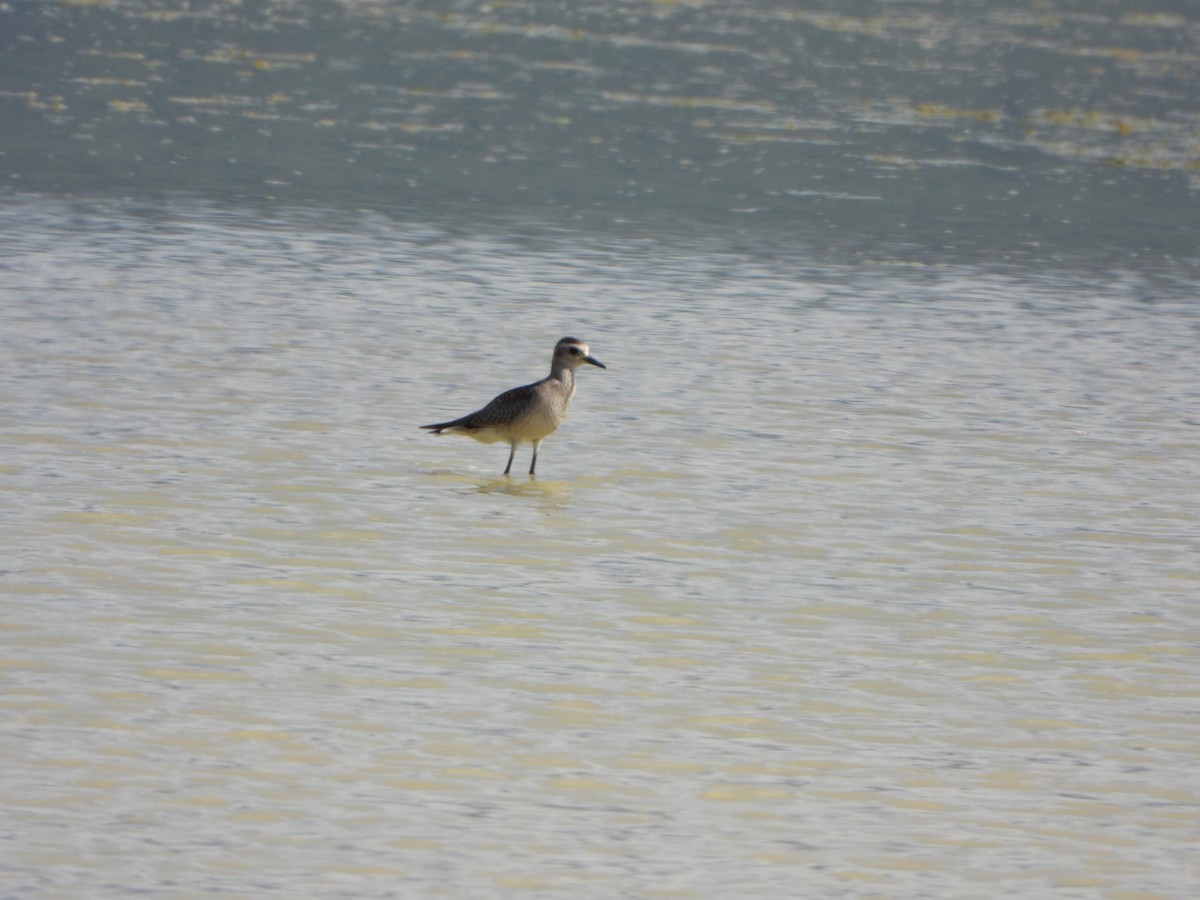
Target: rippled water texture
[[944, 130], [868, 568], [842, 581]]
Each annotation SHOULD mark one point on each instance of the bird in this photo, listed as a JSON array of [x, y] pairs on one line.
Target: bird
[[530, 413]]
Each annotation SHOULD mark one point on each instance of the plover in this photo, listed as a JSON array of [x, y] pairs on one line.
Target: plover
[[527, 414]]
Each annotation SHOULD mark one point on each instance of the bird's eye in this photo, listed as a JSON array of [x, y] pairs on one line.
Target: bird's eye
[[575, 350]]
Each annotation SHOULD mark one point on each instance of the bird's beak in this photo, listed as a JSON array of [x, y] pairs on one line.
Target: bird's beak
[[594, 362]]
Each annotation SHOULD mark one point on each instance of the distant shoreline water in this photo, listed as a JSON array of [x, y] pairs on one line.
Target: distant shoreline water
[[1033, 136]]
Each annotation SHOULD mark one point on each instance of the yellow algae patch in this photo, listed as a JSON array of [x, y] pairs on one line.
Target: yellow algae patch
[[416, 784], [741, 793], [1092, 120], [1009, 780], [552, 688], [662, 620], [550, 762], [201, 800], [417, 844], [102, 518], [1096, 809], [848, 796], [310, 759], [268, 815], [553, 716], [1125, 54], [352, 534], [937, 111], [220, 552], [779, 770], [579, 783], [65, 762], [474, 772], [671, 662]]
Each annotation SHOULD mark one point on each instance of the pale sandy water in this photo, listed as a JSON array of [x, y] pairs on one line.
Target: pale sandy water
[[863, 581]]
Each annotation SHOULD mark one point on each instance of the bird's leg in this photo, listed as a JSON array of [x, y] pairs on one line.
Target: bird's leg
[[533, 462], [511, 453]]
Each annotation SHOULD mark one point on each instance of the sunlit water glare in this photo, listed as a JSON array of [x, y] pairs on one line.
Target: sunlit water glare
[[840, 580]]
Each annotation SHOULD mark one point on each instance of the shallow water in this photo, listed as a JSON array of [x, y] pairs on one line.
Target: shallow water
[[885, 588], [867, 569], [1035, 133]]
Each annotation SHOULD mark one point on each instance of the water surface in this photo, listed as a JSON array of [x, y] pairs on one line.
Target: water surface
[[887, 587], [868, 567]]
